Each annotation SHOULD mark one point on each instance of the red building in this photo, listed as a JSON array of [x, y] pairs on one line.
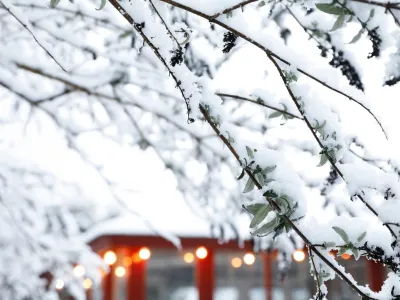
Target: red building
[[146, 266]]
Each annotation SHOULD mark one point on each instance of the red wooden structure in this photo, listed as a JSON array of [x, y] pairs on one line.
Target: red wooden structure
[[136, 276], [136, 247]]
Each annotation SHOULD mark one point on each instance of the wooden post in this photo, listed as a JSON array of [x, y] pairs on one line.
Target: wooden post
[[268, 275], [136, 284], [108, 284], [205, 276], [376, 275], [89, 294]]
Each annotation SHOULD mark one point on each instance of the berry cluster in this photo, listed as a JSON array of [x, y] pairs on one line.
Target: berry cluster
[[230, 41], [177, 57], [338, 61], [376, 42]]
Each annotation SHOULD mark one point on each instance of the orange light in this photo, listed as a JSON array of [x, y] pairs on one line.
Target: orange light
[[110, 257], [346, 256], [299, 255], [87, 283], [236, 262], [120, 272], [79, 271], [144, 253], [249, 259], [59, 284], [127, 261], [188, 257], [102, 272], [201, 252]]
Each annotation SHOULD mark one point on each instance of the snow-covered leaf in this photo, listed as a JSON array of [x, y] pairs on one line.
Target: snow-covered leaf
[[338, 23], [260, 216], [342, 234], [331, 9], [249, 186]]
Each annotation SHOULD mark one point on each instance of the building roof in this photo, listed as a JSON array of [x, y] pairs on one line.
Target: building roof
[[168, 223]]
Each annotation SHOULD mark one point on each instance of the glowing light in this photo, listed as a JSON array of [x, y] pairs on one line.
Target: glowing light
[[79, 271], [144, 253], [120, 272], [102, 272], [236, 262], [110, 258], [201, 252], [346, 256], [87, 283], [59, 284], [188, 257], [249, 258], [299, 255], [127, 261]]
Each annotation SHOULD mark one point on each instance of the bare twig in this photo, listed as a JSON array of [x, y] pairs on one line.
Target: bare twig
[[270, 53], [120, 9], [28, 27], [165, 24], [232, 8], [396, 20], [258, 103], [315, 271], [390, 5]]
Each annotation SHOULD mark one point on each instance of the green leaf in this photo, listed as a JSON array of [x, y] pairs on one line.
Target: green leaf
[[260, 216], [324, 159], [329, 244], [371, 15], [250, 152], [357, 36], [241, 175], [249, 186], [339, 23], [332, 155], [261, 4], [260, 179], [54, 3], [186, 40], [275, 115], [342, 251], [254, 208], [279, 229], [342, 234], [125, 34], [331, 9], [266, 228], [270, 194], [102, 4], [355, 253], [362, 236], [319, 126], [285, 205], [268, 170]]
